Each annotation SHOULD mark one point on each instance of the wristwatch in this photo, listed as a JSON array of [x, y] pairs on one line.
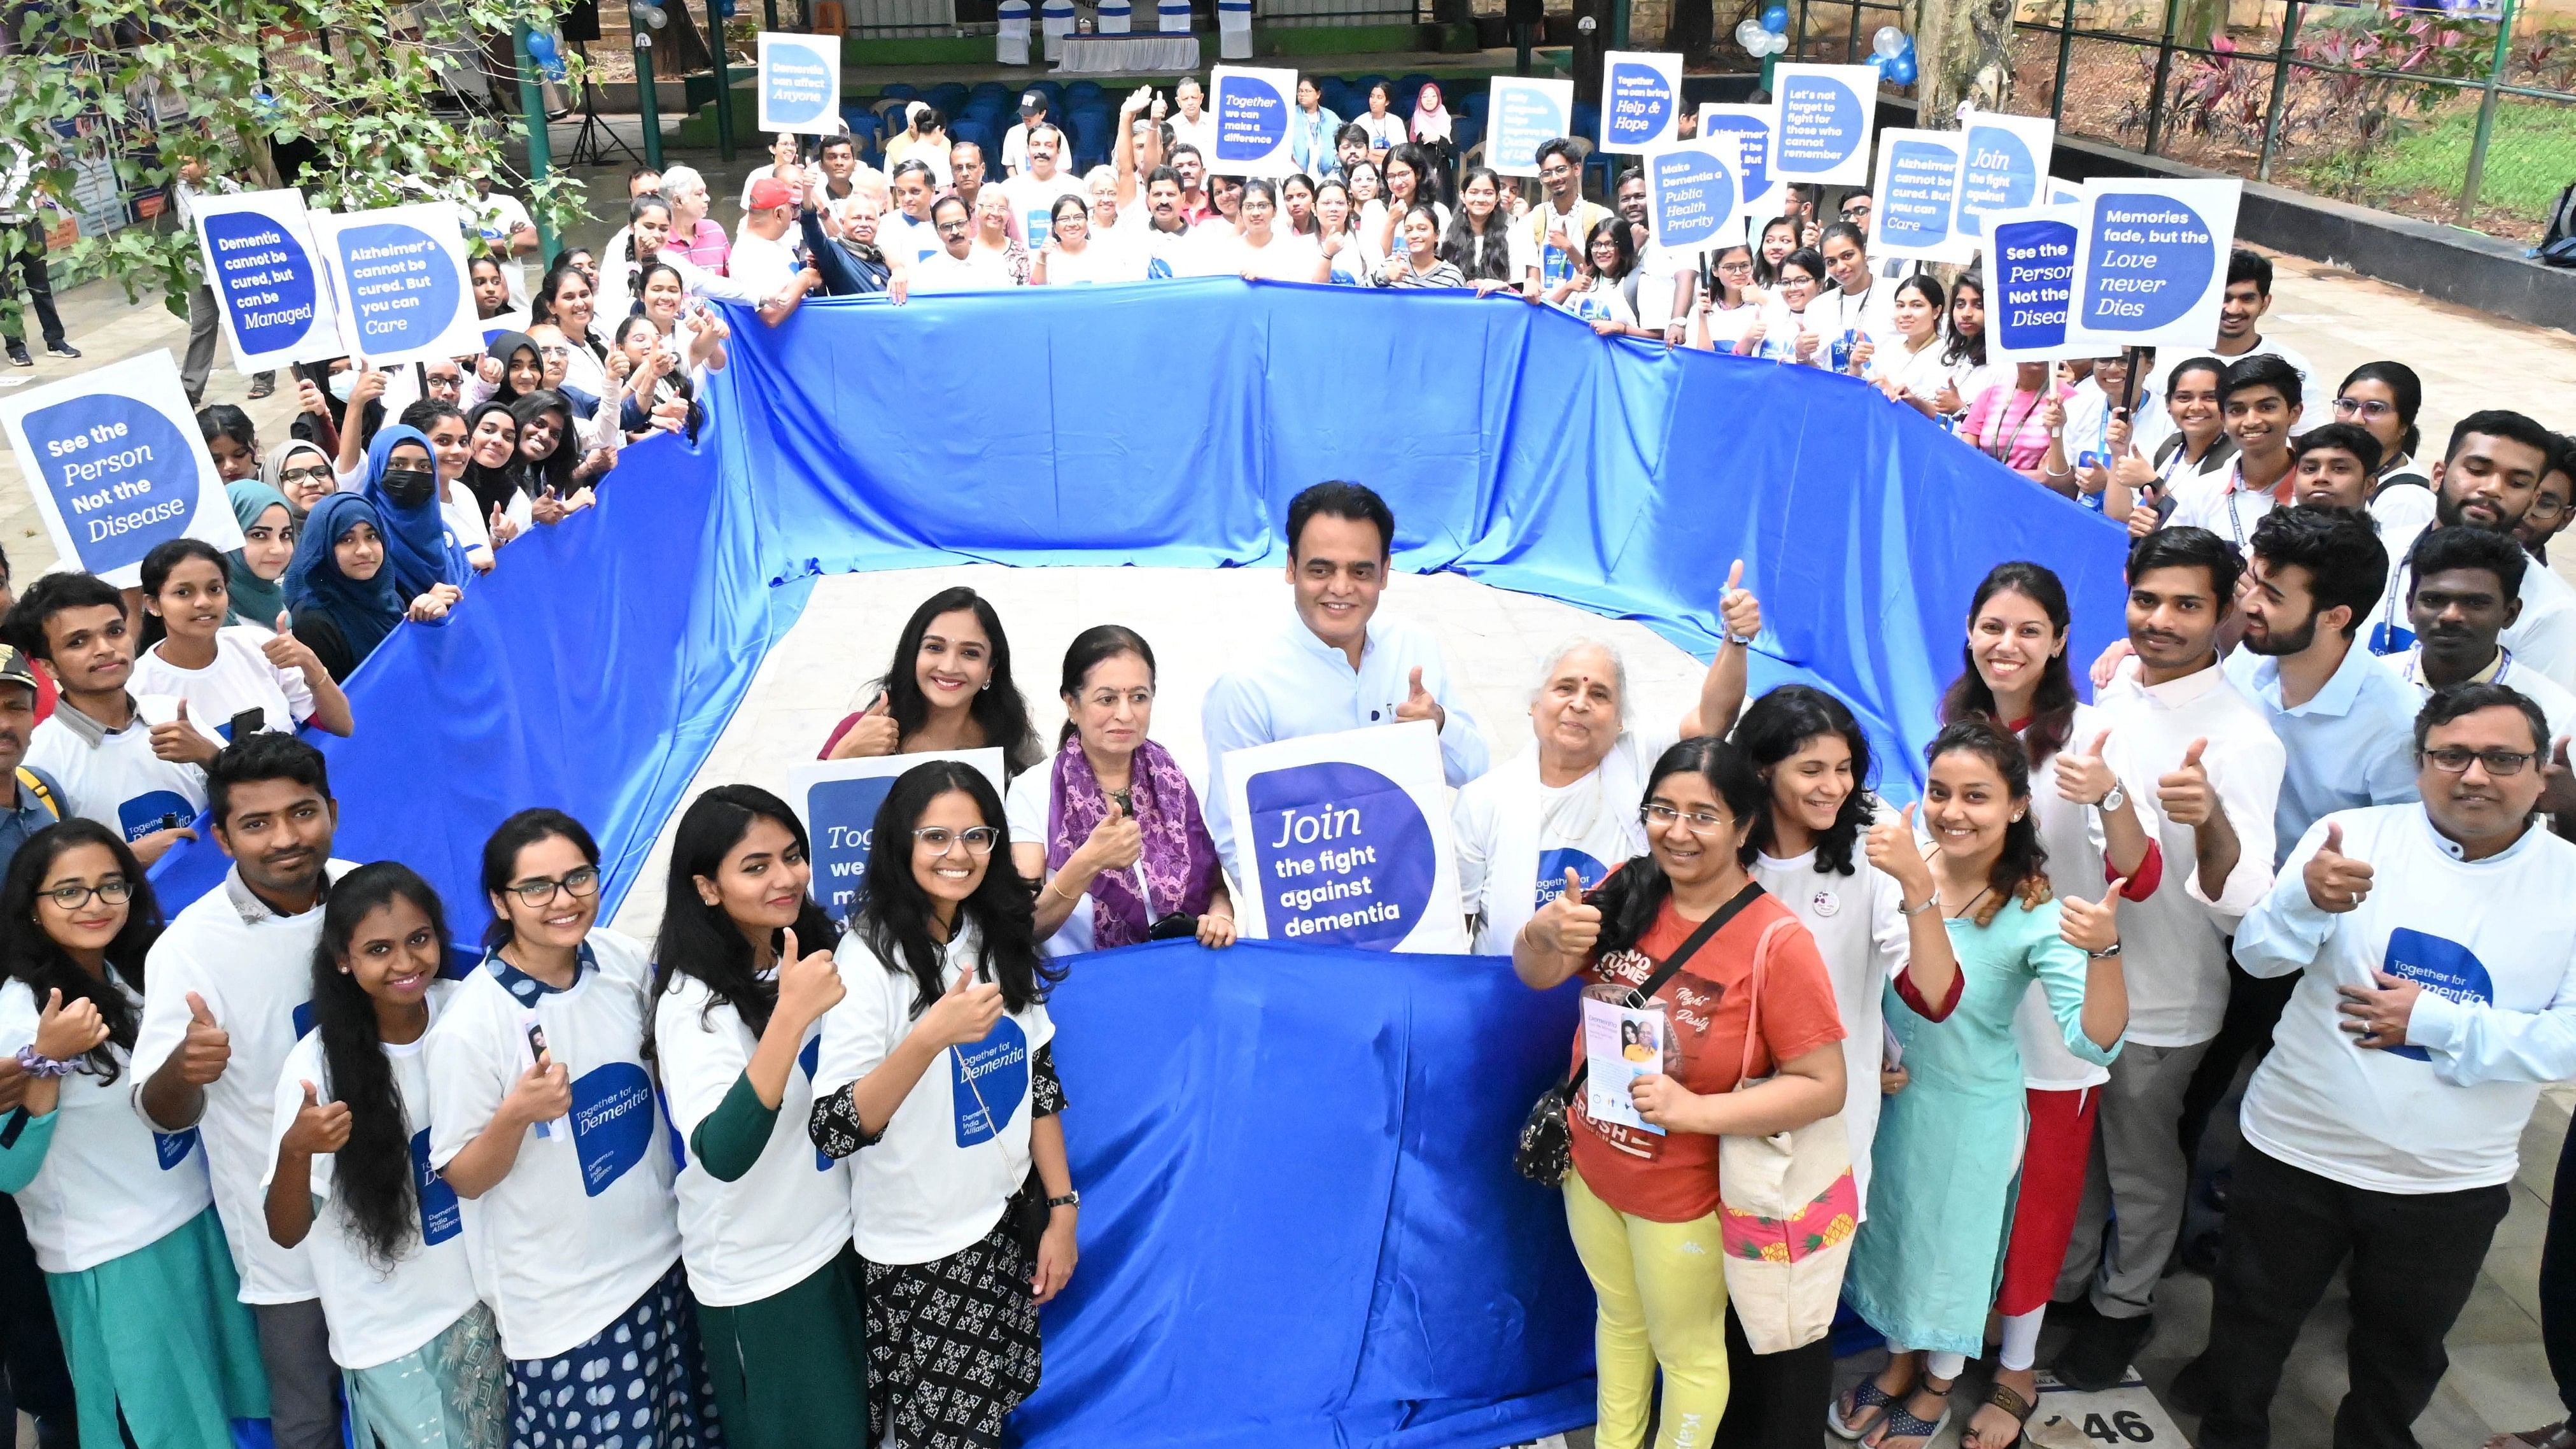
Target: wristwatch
[[1074, 1199], [2114, 801], [2106, 953]]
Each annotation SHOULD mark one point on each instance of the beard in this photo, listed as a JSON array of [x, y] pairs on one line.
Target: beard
[[2280, 644]]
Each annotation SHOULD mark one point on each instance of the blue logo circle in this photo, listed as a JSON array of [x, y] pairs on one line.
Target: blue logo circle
[[1821, 125], [1341, 855], [265, 278], [403, 288], [799, 79], [1637, 106], [1251, 118], [120, 473], [2152, 259], [2001, 175]]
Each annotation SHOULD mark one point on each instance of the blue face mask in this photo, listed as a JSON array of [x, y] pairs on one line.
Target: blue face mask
[[341, 382]]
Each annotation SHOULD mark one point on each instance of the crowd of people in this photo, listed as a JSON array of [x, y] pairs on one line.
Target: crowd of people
[[775, 1180]]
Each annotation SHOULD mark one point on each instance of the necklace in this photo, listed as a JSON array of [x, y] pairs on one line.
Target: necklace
[[1981, 894]]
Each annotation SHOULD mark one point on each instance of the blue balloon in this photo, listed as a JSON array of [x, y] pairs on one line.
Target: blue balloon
[[1901, 69], [541, 49], [1775, 18], [1878, 63]]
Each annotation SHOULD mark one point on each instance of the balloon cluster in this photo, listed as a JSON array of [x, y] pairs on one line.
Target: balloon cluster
[[1767, 36], [648, 13], [541, 49], [1892, 55]]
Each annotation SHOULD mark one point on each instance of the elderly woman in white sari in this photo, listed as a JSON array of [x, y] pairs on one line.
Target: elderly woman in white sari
[[1569, 803]]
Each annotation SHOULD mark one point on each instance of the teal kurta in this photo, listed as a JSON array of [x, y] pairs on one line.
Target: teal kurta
[[1930, 1256]]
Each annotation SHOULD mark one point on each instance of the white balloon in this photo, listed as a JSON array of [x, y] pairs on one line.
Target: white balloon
[[1889, 41], [1779, 42], [1750, 36]]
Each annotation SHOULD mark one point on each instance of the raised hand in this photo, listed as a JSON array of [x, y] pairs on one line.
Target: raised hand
[[2053, 415], [180, 742], [1418, 703], [2091, 926], [489, 369], [808, 985], [2084, 778], [1737, 609], [1568, 925], [548, 507], [1116, 843], [1890, 846], [65, 1032], [2186, 794], [2143, 517], [1947, 400], [501, 526], [874, 736], [318, 1126], [2336, 882], [964, 1013], [205, 1049], [285, 651], [542, 1093]]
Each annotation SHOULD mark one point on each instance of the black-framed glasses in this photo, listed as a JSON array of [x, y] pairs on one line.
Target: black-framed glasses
[[979, 838], [2544, 506], [1701, 821], [2371, 408], [321, 474], [579, 884], [116, 891], [951, 228], [2452, 760]]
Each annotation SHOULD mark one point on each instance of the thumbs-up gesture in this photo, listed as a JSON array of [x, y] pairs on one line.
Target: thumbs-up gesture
[[548, 507], [2557, 780], [873, 736], [1418, 703], [1568, 925], [318, 1126], [1116, 843], [542, 1093], [65, 1032], [2143, 518], [1890, 846], [180, 742], [2091, 926], [205, 1049], [808, 985], [285, 651], [2186, 794], [1737, 609], [501, 526], [2084, 778], [964, 1013], [2336, 882]]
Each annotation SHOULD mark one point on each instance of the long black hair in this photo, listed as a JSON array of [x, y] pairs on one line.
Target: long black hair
[[1778, 725], [698, 939], [1962, 346], [556, 468], [492, 487], [1483, 256], [501, 856], [893, 918], [1090, 649], [1636, 892], [2052, 705], [27, 954], [157, 565], [372, 1171], [2021, 871], [998, 709], [2404, 386]]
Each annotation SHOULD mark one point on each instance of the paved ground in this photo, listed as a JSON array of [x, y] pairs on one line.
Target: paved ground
[[2498, 1380]]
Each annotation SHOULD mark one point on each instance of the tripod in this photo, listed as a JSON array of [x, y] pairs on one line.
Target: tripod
[[596, 143]]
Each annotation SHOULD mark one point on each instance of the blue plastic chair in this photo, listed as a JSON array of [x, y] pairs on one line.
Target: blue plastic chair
[[967, 128], [1093, 133], [988, 109], [1081, 92], [867, 131], [898, 91], [997, 89], [948, 96], [1054, 92]]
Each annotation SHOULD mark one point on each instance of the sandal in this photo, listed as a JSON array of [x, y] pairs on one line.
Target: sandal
[[2005, 1397], [1902, 1425], [1865, 1396]]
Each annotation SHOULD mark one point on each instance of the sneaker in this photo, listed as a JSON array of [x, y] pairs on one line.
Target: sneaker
[[262, 385], [18, 355], [2098, 1355], [60, 348]]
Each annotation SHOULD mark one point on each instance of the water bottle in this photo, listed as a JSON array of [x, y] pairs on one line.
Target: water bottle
[[1841, 349]]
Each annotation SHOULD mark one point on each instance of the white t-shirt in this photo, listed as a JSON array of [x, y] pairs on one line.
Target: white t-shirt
[[761, 264], [498, 217], [2493, 945], [1919, 374], [1160, 253], [1864, 943], [378, 1315], [974, 272], [2556, 705], [1110, 258], [110, 1185], [900, 237], [119, 783], [1033, 202], [254, 970], [1781, 329], [958, 1147], [1603, 301], [774, 1226], [1727, 325], [583, 1222], [1200, 133], [1517, 837], [241, 678], [2220, 503], [1287, 258]]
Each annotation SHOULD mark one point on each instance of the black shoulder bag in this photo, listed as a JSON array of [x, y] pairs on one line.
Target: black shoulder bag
[[1546, 1150]]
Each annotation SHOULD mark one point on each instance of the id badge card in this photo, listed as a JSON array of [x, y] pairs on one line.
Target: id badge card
[[1622, 1041]]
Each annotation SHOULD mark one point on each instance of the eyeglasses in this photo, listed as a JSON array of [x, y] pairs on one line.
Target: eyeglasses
[[2452, 760], [2371, 408], [979, 838], [580, 884], [2545, 507], [554, 352], [951, 228], [115, 892], [1701, 821], [305, 475], [1735, 266]]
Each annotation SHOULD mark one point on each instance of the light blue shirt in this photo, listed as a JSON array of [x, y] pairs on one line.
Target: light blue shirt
[[2351, 746], [1298, 685]]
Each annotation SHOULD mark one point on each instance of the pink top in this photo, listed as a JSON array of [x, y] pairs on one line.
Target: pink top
[[708, 246], [2009, 426]]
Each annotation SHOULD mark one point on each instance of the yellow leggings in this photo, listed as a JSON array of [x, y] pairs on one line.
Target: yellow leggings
[[1662, 1289]]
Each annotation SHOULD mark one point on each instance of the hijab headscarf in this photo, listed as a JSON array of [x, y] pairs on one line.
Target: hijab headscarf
[[272, 469], [416, 554], [1430, 123], [365, 611], [255, 600], [502, 349], [492, 487]]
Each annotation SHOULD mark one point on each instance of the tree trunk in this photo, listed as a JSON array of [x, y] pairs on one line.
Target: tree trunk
[[1690, 29], [1589, 46], [1962, 52]]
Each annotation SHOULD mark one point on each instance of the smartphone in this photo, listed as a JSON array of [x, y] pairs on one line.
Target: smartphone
[[246, 723], [537, 1047]]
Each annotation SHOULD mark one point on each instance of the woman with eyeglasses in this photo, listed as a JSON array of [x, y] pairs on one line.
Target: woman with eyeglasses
[[1781, 333], [1410, 183], [1072, 256], [745, 974], [301, 472], [122, 1218], [949, 687], [1949, 1147], [1728, 306], [1109, 830], [1593, 291], [1337, 236], [1641, 1198], [938, 1072], [542, 1112], [2382, 399], [419, 1349]]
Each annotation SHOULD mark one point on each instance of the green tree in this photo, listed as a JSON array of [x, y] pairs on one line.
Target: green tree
[[372, 109]]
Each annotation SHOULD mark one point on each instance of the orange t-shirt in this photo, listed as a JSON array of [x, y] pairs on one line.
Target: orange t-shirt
[[1673, 1178]]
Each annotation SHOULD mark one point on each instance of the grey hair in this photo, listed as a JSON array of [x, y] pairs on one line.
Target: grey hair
[[1618, 669], [678, 178]]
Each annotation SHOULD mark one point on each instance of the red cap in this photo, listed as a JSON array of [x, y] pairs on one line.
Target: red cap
[[770, 192]]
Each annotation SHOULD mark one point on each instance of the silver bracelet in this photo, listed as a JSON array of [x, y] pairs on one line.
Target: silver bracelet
[[1929, 902]]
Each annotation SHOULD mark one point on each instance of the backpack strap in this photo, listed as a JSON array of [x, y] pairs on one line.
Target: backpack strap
[[34, 784]]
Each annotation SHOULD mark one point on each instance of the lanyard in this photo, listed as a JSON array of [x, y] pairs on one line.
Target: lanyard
[[2010, 431], [2504, 664]]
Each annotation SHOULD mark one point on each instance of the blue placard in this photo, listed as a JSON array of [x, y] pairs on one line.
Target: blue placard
[[2000, 174], [844, 815], [800, 82], [402, 283], [266, 279], [1251, 119], [1692, 190], [1752, 136], [1638, 102], [1921, 188], [1824, 126], [1527, 114], [2149, 261], [2034, 284], [117, 467], [1341, 855]]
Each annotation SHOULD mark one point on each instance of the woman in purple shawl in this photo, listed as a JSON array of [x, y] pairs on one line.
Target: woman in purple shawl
[[1110, 827]]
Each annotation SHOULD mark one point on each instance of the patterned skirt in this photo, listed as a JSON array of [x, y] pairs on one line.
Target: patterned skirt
[[639, 1383], [952, 1345], [449, 1393]]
